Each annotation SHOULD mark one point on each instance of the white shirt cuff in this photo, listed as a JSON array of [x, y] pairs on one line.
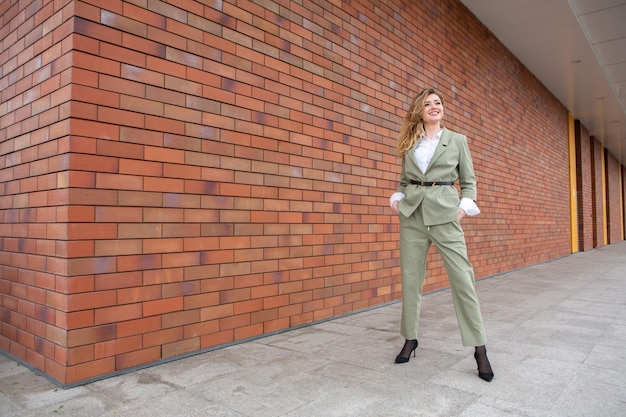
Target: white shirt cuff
[[469, 206], [395, 197]]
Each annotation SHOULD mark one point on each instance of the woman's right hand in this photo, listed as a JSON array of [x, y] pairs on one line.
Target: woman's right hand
[[394, 208]]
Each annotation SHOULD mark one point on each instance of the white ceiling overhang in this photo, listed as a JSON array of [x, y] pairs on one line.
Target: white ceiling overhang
[[577, 49]]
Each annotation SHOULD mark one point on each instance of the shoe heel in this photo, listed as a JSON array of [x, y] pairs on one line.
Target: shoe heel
[[404, 359]]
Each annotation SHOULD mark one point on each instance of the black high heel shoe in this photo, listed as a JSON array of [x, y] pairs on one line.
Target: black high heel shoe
[[483, 362], [405, 354]]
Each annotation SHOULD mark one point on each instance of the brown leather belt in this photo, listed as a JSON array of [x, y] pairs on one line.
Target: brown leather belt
[[430, 184]]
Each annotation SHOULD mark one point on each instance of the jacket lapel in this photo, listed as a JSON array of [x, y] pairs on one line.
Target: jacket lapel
[[417, 172]]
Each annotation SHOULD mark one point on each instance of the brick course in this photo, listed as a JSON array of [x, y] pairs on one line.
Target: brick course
[[177, 176]]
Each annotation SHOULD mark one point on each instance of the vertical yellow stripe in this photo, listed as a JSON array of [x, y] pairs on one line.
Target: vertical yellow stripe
[[572, 185]]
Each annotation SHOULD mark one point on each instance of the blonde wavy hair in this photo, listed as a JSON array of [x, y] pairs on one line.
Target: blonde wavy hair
[[413, 125]]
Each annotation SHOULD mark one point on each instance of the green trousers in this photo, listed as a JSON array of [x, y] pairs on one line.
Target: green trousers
[[449, 239]]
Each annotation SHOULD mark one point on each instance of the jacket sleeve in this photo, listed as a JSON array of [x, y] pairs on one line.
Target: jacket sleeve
[[404, 181], [467, 178]]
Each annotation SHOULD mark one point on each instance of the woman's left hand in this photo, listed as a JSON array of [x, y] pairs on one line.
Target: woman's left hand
[[460, 215]]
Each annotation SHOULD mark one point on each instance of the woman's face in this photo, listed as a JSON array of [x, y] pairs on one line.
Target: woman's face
[[433, 109]]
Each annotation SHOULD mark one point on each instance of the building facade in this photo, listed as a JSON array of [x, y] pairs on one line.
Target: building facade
[[179, 176]]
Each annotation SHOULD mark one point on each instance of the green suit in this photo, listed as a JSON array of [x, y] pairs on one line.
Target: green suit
[[428, 215]]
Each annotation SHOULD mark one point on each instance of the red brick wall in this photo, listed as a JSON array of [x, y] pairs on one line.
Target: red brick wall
[[623, 201], [177, 176], [35, 91], [585, 185], [614, 199], [597, 174]]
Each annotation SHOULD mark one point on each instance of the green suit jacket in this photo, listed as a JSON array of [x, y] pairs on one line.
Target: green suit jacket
[[452, 161]]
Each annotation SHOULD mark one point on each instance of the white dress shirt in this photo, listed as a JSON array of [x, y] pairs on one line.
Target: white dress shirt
[[424, 152]]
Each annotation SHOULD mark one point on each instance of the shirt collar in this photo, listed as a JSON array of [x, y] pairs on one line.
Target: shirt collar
[[436, 137]]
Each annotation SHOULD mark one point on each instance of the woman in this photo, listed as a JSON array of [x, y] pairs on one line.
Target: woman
[[428, 206]]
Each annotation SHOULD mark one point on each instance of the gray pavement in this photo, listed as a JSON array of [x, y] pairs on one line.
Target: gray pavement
[[557, 343]]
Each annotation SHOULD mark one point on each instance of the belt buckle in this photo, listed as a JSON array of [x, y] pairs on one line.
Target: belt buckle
[[432, 184]]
